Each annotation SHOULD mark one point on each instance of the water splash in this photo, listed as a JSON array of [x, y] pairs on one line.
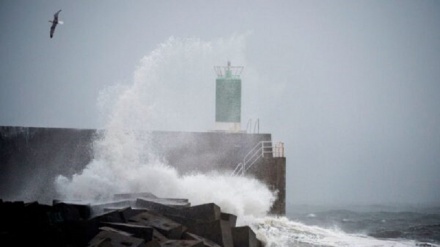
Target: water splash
[[162, 98], [282, 232]]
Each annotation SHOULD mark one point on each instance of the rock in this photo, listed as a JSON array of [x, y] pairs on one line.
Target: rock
[[116, 239], [154, 222], [138, 231], [244, 237], [169, 228]]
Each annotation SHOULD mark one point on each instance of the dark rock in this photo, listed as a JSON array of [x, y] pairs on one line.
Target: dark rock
[[232, 219], [116, 239], [244, 237], [159, 237], [219, 231], [158, 222], [206, 242], [182, 243], [175, 203], [138, 231], [133, 196], [102, 207], [166, 226], [71, 211]]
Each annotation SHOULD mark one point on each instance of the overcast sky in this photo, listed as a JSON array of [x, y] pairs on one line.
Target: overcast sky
[[351, 87]]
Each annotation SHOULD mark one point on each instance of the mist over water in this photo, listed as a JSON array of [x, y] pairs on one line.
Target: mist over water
[[124, 158]]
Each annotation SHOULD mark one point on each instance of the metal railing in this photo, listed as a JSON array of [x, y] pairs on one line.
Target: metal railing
[[256, 127], [260, 150]]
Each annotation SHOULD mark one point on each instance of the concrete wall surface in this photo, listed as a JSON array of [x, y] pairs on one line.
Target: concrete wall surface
[[35, 156], [272, 171]]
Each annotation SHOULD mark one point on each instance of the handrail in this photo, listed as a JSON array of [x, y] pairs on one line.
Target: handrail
[[238, 169], [257, 152], [249, 126], [257, 126]]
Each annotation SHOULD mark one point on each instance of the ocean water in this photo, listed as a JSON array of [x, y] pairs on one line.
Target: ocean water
[[355, 226]]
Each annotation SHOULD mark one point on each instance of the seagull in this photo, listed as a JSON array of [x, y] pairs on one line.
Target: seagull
[[54, 23]]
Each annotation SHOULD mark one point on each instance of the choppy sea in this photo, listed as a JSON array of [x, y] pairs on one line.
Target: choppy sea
[[352, 226]]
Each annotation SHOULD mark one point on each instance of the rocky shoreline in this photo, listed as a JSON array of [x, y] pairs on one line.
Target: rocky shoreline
[[138, 220]]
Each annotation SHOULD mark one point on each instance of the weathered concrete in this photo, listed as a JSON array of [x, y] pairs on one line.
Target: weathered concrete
[[272, 171], [108, 237], [183, 243], [161, 204], [133, 196], [244, 237], [63, 224], [206, 242], [31, 158], [138, 231], [73, 211], [232, 219], [99, 208], [219, 231], [167, 227]]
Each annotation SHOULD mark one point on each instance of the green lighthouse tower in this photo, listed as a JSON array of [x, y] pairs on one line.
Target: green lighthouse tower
[[228, 98]]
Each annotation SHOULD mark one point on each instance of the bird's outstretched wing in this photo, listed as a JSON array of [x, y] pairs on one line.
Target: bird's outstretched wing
[[55, 16], [54, 23]]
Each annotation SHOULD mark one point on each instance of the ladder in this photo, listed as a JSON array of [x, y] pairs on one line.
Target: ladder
[[262, 149]]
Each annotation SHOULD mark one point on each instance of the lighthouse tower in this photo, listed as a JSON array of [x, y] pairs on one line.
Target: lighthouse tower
[[228, 98]]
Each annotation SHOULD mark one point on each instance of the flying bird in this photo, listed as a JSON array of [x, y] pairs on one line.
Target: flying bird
[[54, 23]]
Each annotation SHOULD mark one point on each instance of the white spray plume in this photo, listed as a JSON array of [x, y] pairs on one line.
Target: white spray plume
[[162, 97]]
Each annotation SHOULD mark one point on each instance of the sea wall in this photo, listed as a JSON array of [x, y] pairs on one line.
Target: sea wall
[[31, 158], [272, 171]]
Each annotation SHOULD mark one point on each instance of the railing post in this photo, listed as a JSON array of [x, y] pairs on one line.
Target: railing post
[[242, 169], [279, 150], [282, 149]]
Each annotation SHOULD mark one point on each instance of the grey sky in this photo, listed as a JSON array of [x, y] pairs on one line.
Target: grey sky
[[351, 87]]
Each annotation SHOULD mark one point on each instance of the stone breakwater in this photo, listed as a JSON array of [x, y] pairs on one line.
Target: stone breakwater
[[135, 220]]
